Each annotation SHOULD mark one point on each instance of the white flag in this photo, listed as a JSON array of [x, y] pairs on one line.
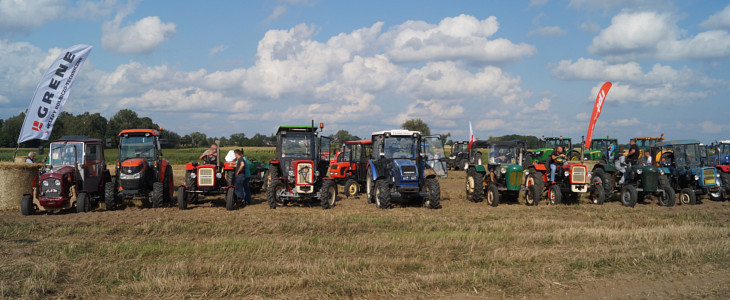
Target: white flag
[[51, 94], [471, 135]]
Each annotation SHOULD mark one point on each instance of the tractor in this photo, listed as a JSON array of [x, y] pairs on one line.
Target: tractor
[[75, 176], [645, 143], [502, 176], [682, 160], [547, 145], [459, 157], [722, 164], [207, 179], [404, 167], [598, 150], [643, 180], [349, 167], [141, 171], [299, 172]]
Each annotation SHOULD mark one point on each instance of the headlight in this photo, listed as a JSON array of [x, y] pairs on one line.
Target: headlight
[[291, 173], [717, 175], [57, 182], [661, 171], [45, 182], [638, 171], [567, 173], [491, 160], [218, 175], [590, 174], [697, 177], [316, 173], [538, 152], [192, 175], [503, 170], [527, 172]]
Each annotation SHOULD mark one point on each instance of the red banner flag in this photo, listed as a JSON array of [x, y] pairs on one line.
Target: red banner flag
[[597, 111]]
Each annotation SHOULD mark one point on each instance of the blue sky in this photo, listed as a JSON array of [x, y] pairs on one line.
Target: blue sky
[[525, 67]]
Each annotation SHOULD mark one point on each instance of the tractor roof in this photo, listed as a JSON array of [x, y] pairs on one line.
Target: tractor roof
[[650, 138], [677, 142], [556, 138], [77, 138], [138, 131], [604, 139], [725, 142], [487, 143], [359, 142], [397, 132], [297, 128], [461, 142]]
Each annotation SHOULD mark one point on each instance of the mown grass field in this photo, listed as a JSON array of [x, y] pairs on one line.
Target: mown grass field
[[357, 251]]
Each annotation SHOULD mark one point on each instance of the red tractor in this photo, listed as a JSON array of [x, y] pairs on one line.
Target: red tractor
[[141, 171], [209, 178], [75, 176], [349, 167]]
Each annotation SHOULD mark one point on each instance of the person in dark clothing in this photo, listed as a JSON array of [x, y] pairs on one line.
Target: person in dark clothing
[[247, 176], [238, 183], [633, 155], [555, 160]]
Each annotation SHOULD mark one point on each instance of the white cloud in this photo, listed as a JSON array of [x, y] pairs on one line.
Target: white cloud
[[490, 124], [216, 49], [4, 100], [720, 20], [582, 116], [615, 4], [660, 95], [712, 127], [181, 99], [590, 27], [538, 3], [23, 16], [549, 31], [144, 36], [651, 35], [278, 11], [625, 122], [462, 37]]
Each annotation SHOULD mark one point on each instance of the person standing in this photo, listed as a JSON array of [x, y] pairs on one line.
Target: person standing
[[31, 158], [633, 156], [238, 183], [247, 178]]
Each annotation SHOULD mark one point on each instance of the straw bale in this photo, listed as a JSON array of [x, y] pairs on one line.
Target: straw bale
[[15, 180]]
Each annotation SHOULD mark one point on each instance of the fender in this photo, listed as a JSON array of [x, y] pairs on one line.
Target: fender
[[480, 169], [607, 168], [724, 169], [539, 167], [373, 170]]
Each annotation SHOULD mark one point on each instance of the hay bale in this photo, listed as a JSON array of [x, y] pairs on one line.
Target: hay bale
[[15, 180]]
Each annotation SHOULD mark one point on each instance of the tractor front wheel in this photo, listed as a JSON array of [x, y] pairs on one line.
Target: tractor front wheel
[[668, 197], [492, 195], [532, 195], [82, 202], [26, 205], [382, 194], [474, 186], [272, 193], [687, 197], [168, 187], [110, 194], [230, 199], [433, 194], [182, 200], [629, 196], [156, 196], [555, 196], [598, 195], [370, 187], [328, 194], [351, 187]]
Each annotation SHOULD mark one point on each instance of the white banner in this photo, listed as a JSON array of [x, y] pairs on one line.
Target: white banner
[[51, 94]]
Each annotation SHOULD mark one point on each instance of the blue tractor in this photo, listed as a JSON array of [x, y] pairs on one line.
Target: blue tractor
[[404, 167], [682, 161]]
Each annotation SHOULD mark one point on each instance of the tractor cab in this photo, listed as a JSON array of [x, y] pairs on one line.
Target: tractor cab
[[546, 147], [300, 170], [459, 157], [602, 150], [75, 176], [646, 143], [349, 167], [722, 165], [682, 161], [398, 168]]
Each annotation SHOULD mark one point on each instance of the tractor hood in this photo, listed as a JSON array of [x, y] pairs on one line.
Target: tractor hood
[[134, 162], [406, 166], [57, 172]]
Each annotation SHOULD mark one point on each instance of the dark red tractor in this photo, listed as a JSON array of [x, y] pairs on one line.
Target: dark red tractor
[[141, 171], [74, 177], [349, 167]]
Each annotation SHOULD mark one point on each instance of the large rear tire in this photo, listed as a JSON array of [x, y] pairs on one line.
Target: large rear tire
[[168, 188], [328, 194], [433, 194], [351, 188], [82, 202], [474, 186], [272, 193], [629, 196], [555, 196], [110, 194], [26, 205], [725, 178], [182, 198], [492, 195], [156, 196], [382, 194], [230, 199], [687, 197], [370, 187]]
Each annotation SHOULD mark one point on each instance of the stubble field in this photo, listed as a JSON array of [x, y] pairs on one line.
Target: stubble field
[[358, 251]]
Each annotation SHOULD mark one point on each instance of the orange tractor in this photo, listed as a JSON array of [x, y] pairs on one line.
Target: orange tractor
[[349, 167]]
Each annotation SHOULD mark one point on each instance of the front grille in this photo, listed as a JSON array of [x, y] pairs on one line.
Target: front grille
[[579, 174], [304, 174], [52, 190], [650, 179], [131, 170], [515, 178], [206, 176], [709, 176], [409, 170]]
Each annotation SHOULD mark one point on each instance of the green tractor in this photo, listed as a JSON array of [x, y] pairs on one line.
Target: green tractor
[[597, 151], [546, 148], [501, 176]]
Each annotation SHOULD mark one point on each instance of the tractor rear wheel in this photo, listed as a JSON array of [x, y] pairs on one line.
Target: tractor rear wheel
[[382, 194], [474, 186], [229, 177], [168, 187], [463, 164], [182, 198], [156, 196], [230, 199], [532, 195], [82, 202], [492, 195], [606, 180], [370, 187], [272, 193], [433, 194], [668, 197], [555, 196], [687, 197], [574, 156], [351, 188], [629, 196], [110, 194], [328, 194], [26, 205], [725, 178]]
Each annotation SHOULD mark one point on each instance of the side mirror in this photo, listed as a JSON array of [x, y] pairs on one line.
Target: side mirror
[[108, 142], [40, 150]]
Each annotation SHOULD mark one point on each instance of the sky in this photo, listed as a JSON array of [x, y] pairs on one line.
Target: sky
[[508, 67]]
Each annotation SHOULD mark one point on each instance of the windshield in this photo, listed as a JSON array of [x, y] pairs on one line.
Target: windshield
[[724, 149], [63, 153], [400, 147], [136, 147], [687, 155], [601, 144], [503, 154], [646, 144], [552, 143], [296, 145]]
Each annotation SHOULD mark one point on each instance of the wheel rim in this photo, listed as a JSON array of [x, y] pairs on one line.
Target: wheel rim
[[333, 195], [352, 190], [427, 203], [277, 192], [528, 197], [663, 198], [466, 165], [369, 187], [377, 197], [469, 185], [685, 198], [552, 196], [530, 181], [490, 197], [626, 197]]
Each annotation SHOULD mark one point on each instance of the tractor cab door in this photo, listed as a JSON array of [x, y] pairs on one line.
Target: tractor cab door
[[323, 150], [92, 167], [360, 157], [434, 154]]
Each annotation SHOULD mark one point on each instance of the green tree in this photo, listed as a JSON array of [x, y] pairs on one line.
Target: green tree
[[198, 139], [343, 136], [237, 139], [417, 125], [443, 137]]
